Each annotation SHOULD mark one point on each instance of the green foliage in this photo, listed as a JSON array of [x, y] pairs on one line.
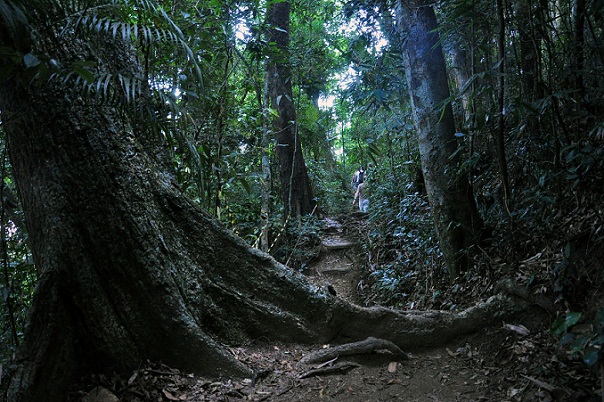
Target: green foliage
[[332, 188], [301, 243], [16, 30], [586, 341], [117, 21], [401, 238], [563, 324], [17, 290], [18, 270], [584, 163]]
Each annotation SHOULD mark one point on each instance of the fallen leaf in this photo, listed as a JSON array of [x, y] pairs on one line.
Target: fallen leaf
[[132, 378], [100, 394], [539, 383], [512, 392], [520, 329], [169, 395]]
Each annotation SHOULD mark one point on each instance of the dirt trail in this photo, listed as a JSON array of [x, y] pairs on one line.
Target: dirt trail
[[337, 264]]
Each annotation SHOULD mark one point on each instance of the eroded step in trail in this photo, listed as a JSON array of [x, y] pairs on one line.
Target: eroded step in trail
[[333, 236], [337, 243], [331, 226], [337, 264], [336, 270]]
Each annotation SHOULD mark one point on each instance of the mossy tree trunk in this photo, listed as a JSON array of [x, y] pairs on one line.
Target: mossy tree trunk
[[297, 194], [456, 218]]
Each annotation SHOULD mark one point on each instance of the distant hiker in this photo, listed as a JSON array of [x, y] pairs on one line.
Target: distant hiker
[[363, 199], [357, 178]]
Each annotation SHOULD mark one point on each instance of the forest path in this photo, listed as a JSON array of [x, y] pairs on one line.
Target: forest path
[[455, 372], [337, 264]]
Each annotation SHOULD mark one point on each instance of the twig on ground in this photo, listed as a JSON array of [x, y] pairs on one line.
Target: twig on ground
[[342, 367]]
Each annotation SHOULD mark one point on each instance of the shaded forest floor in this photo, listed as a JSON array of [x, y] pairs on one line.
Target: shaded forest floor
[[514, 361]]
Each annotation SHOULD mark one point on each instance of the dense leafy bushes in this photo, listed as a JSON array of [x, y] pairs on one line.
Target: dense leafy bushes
[[403, 255]]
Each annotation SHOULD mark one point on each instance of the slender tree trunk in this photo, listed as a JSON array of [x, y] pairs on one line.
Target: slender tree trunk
[[343, 140], [529, 23], [461, 64], [455, 214], [579, 48], [500, 135], [297, 192], [266, 174]]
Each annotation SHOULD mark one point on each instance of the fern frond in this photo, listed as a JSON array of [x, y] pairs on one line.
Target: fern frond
[[125, 31], [120, 29]]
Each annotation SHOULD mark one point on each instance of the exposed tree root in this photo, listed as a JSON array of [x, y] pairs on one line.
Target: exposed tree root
[[510, 287], [369, 345]]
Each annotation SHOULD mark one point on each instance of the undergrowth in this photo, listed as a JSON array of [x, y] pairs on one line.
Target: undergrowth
[[550, 243]]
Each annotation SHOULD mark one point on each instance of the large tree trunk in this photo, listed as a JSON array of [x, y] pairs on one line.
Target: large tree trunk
[[132, 270], [455, 214], [298, 199], [129, 269]]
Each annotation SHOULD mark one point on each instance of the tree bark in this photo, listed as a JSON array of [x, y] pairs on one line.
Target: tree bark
[[131, 270], [456, 218], [297, 194]]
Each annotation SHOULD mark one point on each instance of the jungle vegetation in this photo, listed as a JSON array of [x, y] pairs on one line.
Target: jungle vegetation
[[154, 153]]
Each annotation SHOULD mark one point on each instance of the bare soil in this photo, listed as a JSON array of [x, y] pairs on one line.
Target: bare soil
[[516, 361]]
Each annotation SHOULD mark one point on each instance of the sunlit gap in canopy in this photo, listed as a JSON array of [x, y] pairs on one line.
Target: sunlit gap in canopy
[[370, 28], [328, 101], [327, 104], [242, 30]]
